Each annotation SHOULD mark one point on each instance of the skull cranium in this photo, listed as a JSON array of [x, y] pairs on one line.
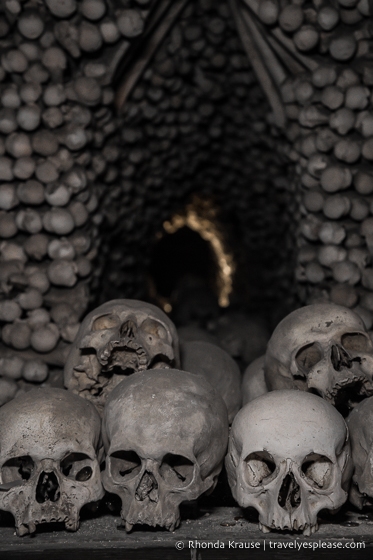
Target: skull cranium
[[289, 458], [119, 338], [165, 438], [217, 366], [323, 348], [49, 458]]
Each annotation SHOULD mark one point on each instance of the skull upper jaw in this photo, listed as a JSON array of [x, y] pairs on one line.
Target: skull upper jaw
[[287, 506], [323, 349], [356, 498], [163, 513], [342, 387], [361, 490], [159, 505], [359, 499], [345, 385], [95, 384], [106, 358], [69, 497]]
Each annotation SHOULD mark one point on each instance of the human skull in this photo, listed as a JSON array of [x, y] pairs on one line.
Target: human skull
[[289, 458], [243, 336], [165, 438], [322, 348], [49, 458], [253, 381], [217, 366], [360, 424], [118, 338]]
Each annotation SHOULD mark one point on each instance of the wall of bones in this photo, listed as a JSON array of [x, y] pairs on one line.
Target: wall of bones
[[114, 115]]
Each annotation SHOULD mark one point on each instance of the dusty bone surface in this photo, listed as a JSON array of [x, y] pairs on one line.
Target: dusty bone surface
[[50, 453], [253, 381], [215, 365], [243, 336], [165, 435], [359, 423], [119, 338], [289, 458], [323, 348]]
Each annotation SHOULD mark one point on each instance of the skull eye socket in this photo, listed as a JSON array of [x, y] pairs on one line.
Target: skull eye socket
[[77, 466], [308, 356], [318, 470], [154, 328], [258, 468], [355, 342], [105, 322], [124, 464], [176, 470], [18, 468]]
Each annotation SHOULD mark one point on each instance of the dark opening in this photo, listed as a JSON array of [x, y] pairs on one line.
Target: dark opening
[[181, 257], [47, 488]]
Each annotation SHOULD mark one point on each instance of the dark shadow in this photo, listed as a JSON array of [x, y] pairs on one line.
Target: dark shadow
[[179, 255]]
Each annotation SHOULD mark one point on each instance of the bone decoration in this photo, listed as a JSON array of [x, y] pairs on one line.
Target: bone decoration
[[360, 423], [119, 338], [323, 348], [215, 365], [289, 458], [50, 448], [165, 439]]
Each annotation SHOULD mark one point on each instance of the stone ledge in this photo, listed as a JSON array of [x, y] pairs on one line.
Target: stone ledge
[[101, 538]]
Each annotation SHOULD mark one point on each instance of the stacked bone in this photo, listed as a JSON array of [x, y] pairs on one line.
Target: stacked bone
[[197, 121], [330, 118], [57, 153]]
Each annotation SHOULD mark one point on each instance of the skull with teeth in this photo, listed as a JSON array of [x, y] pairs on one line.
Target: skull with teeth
[[322, 348], [289, 458], [49, 458], [119, 338], [165, 437], [360, 424]]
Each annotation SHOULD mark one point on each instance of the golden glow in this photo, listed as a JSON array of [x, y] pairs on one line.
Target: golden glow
[[200, 216]]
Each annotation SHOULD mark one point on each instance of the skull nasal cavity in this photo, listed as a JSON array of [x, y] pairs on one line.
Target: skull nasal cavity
[[128, 329], [47, 488], [289, 495], [340, 358], [147, 488]]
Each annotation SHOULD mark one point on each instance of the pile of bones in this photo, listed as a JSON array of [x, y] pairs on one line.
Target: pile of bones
[[141, 417], [149, 421]]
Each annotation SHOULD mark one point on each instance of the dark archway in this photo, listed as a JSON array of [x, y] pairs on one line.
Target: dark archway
[[180, 255]]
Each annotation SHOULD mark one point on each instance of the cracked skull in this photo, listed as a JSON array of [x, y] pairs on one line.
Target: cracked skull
[[119, 338], [49, 445], [322, 348], [165, 439], [360, 424], [289, 458]]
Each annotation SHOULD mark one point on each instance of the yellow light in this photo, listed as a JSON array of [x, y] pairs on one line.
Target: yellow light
[[200, 216]]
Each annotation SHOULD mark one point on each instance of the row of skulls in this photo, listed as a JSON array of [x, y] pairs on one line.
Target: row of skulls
[[163, 434]]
